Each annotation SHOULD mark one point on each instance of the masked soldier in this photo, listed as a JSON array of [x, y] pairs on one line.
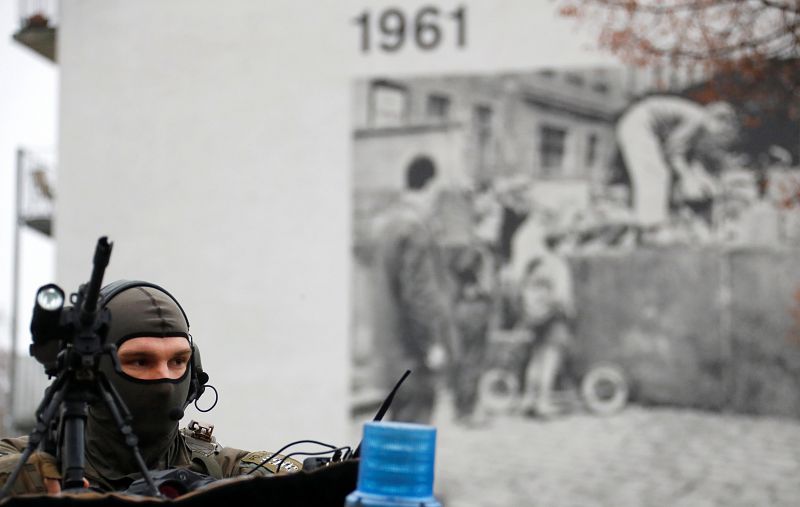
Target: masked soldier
[[161, 375]]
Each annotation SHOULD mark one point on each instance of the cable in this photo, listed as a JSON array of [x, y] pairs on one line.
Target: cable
[[291, 444], [321, 453], [216, 399]]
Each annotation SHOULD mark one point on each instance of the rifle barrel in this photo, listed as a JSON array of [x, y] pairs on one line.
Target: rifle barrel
[[102, 254]]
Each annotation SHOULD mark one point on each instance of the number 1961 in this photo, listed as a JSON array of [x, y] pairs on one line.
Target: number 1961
[[393, 30]]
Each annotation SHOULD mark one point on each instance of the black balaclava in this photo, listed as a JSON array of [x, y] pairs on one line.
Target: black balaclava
[[156, 405]]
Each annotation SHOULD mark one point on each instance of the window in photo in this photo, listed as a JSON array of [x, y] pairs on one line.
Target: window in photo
[[438, 107], [388, 104], [552, 141]]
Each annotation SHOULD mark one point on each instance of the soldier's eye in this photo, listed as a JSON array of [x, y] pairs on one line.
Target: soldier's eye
[[179, 361], [135, 362]]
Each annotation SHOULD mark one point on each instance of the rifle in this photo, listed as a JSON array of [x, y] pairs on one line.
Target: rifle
[[70, 342]]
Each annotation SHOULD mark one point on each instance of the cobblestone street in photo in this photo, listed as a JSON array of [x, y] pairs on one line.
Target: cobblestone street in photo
[[639, 457]]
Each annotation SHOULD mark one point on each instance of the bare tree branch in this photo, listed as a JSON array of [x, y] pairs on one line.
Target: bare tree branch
[[782, 6], [690, 5]]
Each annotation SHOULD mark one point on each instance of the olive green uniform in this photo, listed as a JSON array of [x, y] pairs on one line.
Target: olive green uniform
[[199, 455], [141, 309]]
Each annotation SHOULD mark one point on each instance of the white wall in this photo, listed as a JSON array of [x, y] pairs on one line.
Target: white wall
[[211, 140]]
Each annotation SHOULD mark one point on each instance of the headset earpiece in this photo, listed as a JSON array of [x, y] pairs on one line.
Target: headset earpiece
[[197, 385], [199, 382]]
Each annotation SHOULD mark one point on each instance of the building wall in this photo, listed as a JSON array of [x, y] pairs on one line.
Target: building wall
[[709, 328], [28, 118], [174, 124], [657, 313], [212, 142], [765, 331]]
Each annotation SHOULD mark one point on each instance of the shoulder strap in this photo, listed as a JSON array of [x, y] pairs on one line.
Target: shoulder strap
[[208, 464], [203, 453]]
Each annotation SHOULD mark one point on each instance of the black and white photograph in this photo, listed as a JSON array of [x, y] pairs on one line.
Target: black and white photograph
[[592, 277], [366, 253]]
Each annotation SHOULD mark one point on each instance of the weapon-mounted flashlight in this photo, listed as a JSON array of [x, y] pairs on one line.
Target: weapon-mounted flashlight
[[46, 326], [50, 297]]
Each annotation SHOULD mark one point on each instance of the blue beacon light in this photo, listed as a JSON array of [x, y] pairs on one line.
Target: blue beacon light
[[396, 469]]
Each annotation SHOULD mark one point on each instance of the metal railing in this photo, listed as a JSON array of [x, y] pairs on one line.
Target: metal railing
[[37, 176]]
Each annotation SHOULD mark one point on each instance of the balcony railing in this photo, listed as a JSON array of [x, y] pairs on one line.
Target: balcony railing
[[37, 175], [38, 20]]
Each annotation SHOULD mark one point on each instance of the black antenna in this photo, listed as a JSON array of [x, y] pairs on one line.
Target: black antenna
[[385, 407]]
